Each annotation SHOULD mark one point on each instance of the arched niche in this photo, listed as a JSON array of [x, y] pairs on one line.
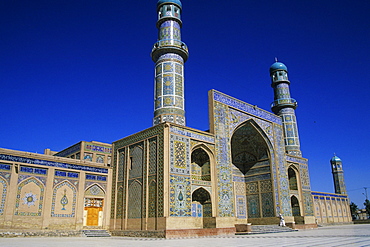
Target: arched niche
[[201, 202], [250, 155], [200, 165], [292, 176], [295, 206]]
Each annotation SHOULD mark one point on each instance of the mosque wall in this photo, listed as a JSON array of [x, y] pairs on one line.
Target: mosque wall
[[330, 208], [46, 192]]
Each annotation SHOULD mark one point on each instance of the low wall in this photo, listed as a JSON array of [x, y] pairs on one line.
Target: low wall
[[39, 233]]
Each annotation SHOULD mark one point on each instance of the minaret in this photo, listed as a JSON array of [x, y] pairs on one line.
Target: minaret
[[284, 106], [338, 175], [169, 54]]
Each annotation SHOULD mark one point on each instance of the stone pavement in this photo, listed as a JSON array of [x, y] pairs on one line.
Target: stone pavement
[[345, 235]]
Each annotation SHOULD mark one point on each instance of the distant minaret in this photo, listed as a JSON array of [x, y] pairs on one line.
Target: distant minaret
[[284, 106], [338, 175], [169, 54]]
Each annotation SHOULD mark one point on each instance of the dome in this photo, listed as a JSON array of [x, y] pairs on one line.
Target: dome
[[278, 66], [335, 159], [177, 2]]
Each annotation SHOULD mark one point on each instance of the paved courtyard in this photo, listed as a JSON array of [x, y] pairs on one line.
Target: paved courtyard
[[347, 235]]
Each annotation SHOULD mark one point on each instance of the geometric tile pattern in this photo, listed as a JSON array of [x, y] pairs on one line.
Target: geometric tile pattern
[[241, 211], [228, 114], [223, 163], [38, 197], [180, 155], [134, 200], [52, 163], [3, 192], [180, 196], [267, 201]]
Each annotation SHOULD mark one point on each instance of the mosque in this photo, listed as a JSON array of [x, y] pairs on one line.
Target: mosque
[[172, 180]]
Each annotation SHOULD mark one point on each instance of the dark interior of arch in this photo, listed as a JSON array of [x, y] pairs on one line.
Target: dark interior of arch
[[199, 156], [248, 147], [201, 195], [292, 179]]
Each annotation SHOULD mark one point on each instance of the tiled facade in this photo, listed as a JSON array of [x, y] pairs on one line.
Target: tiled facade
[[248, 168], [47, 192]]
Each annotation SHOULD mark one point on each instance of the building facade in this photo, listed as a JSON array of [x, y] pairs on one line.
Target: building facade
[[44, 192], [172, 180]]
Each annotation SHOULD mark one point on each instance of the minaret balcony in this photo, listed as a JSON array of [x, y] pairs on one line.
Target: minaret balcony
[[281, 103], [170, 45]]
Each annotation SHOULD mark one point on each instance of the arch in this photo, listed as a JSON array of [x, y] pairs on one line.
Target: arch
[[95, 190], [119, 203], [30, 197], [201, 203], [251, 154], [134, 204], [152, 200], [249, 145], [292, 177], [295, 206], [200, 165], [64, 202]]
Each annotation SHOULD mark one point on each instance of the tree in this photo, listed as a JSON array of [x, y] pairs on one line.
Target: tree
[[354, 209], [367, 206]]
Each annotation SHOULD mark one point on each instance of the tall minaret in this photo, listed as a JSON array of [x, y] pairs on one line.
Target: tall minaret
[[338, 175], [284, 106], [169, 54]]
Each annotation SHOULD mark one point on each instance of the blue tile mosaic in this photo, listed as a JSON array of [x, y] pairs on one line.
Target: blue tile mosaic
[[232, 102], [51, 163], [4, 167]]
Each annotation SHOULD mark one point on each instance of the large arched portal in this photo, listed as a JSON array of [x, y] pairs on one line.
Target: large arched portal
[[250, 155]]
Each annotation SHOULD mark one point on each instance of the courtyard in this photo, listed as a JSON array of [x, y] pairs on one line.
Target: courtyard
[[344, 235]]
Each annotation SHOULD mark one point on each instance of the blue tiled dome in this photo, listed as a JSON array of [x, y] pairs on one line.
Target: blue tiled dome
[[178, 2], [278, 66], [335, 159]]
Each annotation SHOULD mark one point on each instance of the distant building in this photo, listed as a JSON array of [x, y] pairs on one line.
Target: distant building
[[172, 180]]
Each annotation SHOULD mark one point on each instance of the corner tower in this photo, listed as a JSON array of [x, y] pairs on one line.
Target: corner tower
[[169, 54], [284, 106], [338, 175]]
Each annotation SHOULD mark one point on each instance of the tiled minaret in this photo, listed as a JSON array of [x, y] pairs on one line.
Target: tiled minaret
[[284, 106], [169, 54], [338, 175]]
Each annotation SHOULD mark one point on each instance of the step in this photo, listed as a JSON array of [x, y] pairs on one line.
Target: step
[[96, 233], [263, 229]]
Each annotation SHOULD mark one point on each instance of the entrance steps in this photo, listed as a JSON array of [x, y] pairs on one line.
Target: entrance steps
[[262, 229], [96, 233]]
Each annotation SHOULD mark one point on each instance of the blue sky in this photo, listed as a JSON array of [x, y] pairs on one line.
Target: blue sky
[[81, 70]]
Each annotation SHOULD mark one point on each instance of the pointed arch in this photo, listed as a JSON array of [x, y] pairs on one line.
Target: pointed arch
[[201, 203], [95, 190], [200, 164], [30, 197], [134, 203], [249, 145], [292, 177], [251, 155], [119, 203], [152, 200], [64, 200], [295, 206]]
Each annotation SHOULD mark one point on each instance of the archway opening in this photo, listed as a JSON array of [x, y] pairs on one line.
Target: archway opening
[[200, 165], [295, 206], [293, 185], [250, 154], [201, 203]]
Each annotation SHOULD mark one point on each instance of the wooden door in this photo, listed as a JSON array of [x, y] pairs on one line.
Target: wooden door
[[93, 216]]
